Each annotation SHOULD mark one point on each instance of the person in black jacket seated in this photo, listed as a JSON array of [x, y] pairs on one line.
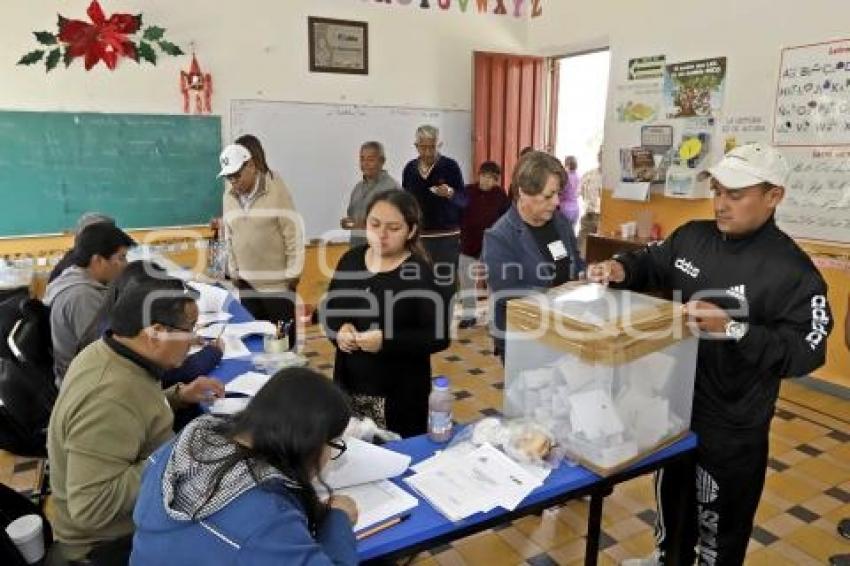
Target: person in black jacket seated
[[199, 363], [385, 316]]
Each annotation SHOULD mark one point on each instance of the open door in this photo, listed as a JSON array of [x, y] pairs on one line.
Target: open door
[[508, 97]]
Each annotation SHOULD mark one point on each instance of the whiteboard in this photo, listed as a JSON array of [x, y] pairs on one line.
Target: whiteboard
[[315, 148]]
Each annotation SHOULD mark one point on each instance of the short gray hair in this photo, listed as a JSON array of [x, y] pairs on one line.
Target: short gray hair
[[374, 146], [533, 172], [427, 132]]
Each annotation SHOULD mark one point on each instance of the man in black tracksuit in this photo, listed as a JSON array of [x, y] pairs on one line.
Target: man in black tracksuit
[[762, 312]]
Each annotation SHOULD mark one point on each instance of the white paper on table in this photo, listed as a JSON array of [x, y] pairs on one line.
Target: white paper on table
[[632, 191], [229, 405], [594, 414], [208, 318], [212, 298], [377, 502], [247, 383], [362, 463], [234, 348], [460, 486], [238, 329]]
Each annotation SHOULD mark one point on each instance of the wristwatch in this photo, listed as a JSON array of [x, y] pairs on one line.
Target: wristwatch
[[736, 330]]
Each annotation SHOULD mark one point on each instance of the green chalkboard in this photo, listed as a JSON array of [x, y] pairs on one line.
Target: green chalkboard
[[145, 170]]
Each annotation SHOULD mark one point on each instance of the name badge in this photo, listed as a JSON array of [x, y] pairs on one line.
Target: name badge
[[558, 250]]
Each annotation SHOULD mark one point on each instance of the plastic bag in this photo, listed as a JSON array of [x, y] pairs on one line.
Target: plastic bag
[[524, 440]]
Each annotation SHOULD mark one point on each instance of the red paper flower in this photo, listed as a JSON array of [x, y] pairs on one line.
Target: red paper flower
[[103, 39]]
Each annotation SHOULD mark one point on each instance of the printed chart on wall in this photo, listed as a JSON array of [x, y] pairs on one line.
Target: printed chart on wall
[[812, 124]]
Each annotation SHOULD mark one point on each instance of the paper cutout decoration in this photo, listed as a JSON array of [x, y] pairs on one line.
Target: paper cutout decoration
[[101, 39]]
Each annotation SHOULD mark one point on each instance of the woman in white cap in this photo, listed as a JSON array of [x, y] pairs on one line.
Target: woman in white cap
[[265, 236]]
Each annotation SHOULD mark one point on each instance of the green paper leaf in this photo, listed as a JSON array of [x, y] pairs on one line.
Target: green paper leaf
[[66, 57], [45, 37], [31, 57], [146, 52], [170, 48], [154, 33], [52, 59]]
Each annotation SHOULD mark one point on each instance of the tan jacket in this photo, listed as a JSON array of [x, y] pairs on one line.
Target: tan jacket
[[266, 238], [111, 414]]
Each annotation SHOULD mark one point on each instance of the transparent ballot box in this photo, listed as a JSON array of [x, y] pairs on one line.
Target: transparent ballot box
[[610, 372]]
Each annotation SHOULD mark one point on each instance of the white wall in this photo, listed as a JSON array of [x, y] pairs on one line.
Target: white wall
[[750, 33], [258, 49]]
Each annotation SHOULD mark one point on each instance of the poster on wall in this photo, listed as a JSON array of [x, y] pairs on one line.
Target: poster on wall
[[694, 88], [813, 96], [817, 197], [638, 98]]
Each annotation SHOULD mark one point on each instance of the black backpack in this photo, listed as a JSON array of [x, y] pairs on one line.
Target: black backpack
[[27, 386]]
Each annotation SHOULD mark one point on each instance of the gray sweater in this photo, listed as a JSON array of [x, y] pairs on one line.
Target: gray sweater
[[75, 301]]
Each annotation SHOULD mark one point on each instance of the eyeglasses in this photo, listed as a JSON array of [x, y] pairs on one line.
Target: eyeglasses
[[190, 331], [339, 446]]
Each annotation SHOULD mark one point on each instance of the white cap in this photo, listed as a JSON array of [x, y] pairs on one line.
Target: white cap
[[749, 165], [232, 159]]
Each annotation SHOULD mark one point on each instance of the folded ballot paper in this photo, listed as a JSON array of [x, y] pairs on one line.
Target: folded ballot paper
[[476, 481], [362, 473]]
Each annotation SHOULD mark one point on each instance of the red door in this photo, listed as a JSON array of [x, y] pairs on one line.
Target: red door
[[507, 108]]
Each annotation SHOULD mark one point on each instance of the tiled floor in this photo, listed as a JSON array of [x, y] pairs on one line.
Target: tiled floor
[[807, 490]]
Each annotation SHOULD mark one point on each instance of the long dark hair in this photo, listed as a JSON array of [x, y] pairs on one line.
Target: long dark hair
[[406, 204], [255, 148], [288, 424]]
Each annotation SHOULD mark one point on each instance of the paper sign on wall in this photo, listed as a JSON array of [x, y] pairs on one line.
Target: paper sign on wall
[[813, 96], [694, 88]]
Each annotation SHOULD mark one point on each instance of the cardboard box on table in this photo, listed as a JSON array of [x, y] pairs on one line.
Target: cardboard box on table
[[610, 372]]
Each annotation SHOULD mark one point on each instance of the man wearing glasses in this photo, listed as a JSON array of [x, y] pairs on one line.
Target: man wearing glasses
[[436, 182], [112, 413]]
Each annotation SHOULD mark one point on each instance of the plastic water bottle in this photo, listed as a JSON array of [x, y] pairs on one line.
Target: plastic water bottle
[[440, 411]]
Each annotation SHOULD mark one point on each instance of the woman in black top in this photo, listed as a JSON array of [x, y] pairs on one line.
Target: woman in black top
[[385, 315]]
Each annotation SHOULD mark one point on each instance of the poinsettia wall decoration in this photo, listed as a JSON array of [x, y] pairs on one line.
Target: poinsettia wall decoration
[[102, 39]]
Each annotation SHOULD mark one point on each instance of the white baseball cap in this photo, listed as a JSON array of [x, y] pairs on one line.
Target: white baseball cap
[[749, 165], [232, 158]]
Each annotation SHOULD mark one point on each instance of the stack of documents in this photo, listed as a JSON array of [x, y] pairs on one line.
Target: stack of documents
[[238, 329], [362, 474], [461, 483]]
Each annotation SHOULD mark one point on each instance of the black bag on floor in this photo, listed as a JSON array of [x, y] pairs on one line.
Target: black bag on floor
[[27, 386]]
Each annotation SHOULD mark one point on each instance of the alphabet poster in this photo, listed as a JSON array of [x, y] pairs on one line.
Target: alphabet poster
[[813, 96]]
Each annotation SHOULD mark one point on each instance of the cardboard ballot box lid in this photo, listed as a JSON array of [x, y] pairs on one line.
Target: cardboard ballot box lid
[[598, 324]]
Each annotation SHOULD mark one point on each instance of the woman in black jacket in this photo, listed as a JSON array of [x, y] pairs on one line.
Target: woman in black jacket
[[385, 315]]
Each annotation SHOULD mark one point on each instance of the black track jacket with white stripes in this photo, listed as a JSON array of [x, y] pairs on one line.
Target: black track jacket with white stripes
[[763, 279]]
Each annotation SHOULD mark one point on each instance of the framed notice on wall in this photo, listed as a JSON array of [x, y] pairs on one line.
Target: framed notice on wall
[[338, 46]]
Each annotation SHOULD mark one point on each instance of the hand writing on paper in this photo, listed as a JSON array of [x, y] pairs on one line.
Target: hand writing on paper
[[346, 338], [370, 341], [610, 271], [707, 317], [202, 389], [345, 504]]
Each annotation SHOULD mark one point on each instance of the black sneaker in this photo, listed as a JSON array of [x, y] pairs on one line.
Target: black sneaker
[[466, 323], [839, 560], [844, 527]]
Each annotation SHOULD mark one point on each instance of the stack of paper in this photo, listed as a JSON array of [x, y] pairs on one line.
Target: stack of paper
[[377, 502], [212, 298], [478, 481], [362, 473], [248, 383]]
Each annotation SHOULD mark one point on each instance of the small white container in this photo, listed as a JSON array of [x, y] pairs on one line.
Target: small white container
[[25, 532]]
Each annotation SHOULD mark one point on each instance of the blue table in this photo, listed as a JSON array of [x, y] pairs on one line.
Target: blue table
[[427, 528]]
